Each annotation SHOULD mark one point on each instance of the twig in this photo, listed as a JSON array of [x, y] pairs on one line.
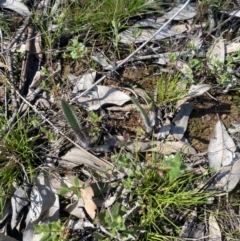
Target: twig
[[11, 81], [10, 68], [133, 53], [19, 33]]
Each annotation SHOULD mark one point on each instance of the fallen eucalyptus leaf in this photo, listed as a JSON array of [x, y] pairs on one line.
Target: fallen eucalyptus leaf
[[216, 54], [76, 157], [101, 95], [86, 196], [101, 59], [79, 224], [19, 200], [16, 6], [169, 147], [82, 82], [227, 178], [193, 229], [214, 229], [235, 13], [232, 47], [197, 90], [58, 183], [180, 122], [187, 13], [76, 209], [194, 91], [221, 148], [164, 130], [139, 33], [42, 198]]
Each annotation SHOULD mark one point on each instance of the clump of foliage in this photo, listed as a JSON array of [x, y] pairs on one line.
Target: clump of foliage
[[17, 147]]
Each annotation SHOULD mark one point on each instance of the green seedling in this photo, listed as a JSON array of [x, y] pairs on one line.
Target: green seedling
[[74, 189], [94, 120], [175, 166], [169, 90], [77, 50], [53, 231]]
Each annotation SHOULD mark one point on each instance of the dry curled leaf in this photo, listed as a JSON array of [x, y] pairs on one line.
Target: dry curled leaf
[[221, 148], [42, 198], [82, 82], [86, 196], [101, 59], [194, 91], [19, 200], [169, 147], [214, 229], [216, 54], [227, 178], [16, 6], [101, 95], [180, 122], [76, 157], [187, 13]]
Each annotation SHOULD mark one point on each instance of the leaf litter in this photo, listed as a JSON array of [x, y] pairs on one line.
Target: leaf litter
[[156, 130]]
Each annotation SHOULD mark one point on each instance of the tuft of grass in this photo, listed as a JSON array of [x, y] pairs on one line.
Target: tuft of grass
[[169, 89], [17, 148], [162, 199], [158, 194], [101, 15]]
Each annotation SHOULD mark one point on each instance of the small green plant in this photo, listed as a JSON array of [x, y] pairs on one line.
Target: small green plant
[[155, 192], [17, 152], [169, 89], [116, 26], [4, 24], [76, 189], [196, 64], [94, 120], [49, 134], [113, 218], [77, 50], [223, 71], [53, 231], [163, 193], [175, 166]]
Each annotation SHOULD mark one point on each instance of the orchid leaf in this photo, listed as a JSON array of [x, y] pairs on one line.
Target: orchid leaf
[[144, 115], [74, 123]]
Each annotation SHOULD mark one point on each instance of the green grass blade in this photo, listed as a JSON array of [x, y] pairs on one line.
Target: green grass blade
[[74, 123]]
